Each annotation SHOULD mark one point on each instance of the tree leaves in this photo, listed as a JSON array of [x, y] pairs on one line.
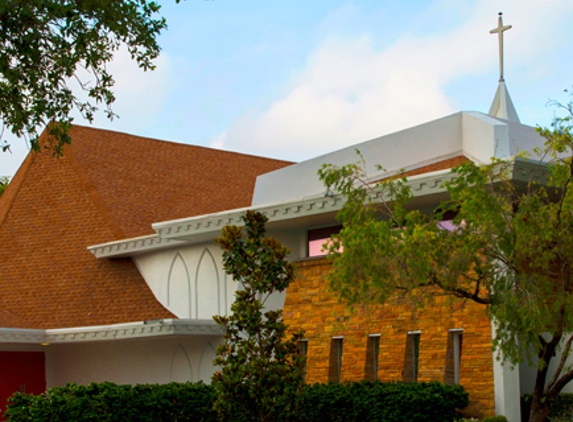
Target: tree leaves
[[47, 45], [261, 369], [510, 245]]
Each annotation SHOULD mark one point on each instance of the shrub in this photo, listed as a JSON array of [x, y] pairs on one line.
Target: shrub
[[108, 402], [347, 402], [560, 408], [498, 418], [383, 402]]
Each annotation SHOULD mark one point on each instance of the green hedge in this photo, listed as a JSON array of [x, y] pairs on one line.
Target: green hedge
[[388, 402], [347, 402], [560, 408], [108, 402]]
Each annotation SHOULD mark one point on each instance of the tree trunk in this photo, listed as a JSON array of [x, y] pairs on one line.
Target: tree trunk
[[539, 408], [539, 401]]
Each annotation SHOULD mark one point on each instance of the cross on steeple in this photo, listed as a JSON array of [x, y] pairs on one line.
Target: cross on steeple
[[499, 31]]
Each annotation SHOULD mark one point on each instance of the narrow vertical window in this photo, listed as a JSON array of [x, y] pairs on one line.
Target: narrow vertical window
[[453, 357], [411, 360], [303, 351], [335, 364], [372, 353]]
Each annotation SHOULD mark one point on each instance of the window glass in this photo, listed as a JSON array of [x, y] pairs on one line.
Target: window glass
[[372, 353], [303, 350], [335, 364], [453, 357], [318, 237], [412, 358]]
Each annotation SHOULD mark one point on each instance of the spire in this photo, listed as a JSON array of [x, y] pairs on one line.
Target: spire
[[502, 106]]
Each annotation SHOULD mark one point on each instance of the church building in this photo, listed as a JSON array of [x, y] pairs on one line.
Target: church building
[[110, 273]]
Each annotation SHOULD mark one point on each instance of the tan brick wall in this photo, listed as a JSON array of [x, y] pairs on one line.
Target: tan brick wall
[[310, 306]]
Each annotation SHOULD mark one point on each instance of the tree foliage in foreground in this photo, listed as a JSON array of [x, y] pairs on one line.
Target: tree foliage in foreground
[[510, 248], [4, 180], [53, 57], [261, 373]]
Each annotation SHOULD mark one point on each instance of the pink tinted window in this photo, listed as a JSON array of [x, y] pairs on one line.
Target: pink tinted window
[[318, 237], [447, 225]]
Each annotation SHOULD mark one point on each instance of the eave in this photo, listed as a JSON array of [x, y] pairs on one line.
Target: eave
[[133, 246], [296, 213], [427, 190], [132, 330]]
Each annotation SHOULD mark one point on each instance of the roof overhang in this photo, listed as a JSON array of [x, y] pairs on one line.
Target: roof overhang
[[427, 190], [133, 246], [132, 330]]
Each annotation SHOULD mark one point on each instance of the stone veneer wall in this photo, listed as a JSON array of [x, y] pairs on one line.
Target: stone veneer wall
[[310, 306]]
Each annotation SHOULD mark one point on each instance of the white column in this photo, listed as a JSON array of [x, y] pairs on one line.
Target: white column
[[506, 388]]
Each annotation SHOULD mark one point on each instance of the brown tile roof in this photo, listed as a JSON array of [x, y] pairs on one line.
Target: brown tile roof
[[140, 181], [440, 165], [107, 186], [446, 164]]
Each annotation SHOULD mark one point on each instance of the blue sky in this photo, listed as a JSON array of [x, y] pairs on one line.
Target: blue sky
[[293, 79]]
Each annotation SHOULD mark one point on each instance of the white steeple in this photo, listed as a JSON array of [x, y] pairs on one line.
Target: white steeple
[[502, 106]]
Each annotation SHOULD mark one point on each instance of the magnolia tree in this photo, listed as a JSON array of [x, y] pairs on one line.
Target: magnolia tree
[[510, 248], [261, 375]]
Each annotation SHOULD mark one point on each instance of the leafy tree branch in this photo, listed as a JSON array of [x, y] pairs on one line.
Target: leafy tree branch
[[261, 374], [508, 246], [46, 45]]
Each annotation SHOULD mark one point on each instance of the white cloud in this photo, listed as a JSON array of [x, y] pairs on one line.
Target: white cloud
[[350, 91], [139, 95], [11, 160]]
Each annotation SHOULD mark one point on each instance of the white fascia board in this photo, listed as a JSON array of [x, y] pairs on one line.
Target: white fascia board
[[132, 330], [422, 185], [21, 336], [212, 224], [133, 246], [141, 329], [204, 228]]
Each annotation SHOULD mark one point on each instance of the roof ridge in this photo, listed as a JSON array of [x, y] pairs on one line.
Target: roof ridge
[[11, 192], [182, 144]]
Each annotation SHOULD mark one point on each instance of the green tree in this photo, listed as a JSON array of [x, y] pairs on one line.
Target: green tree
[[261, 374], [4, 180], [49, 46], [510, 249]]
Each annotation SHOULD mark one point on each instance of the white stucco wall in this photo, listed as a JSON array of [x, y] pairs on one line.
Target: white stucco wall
[[394, 152], [477, 135], [189, 281], [506, 390], [528, 373], [155, 360]]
